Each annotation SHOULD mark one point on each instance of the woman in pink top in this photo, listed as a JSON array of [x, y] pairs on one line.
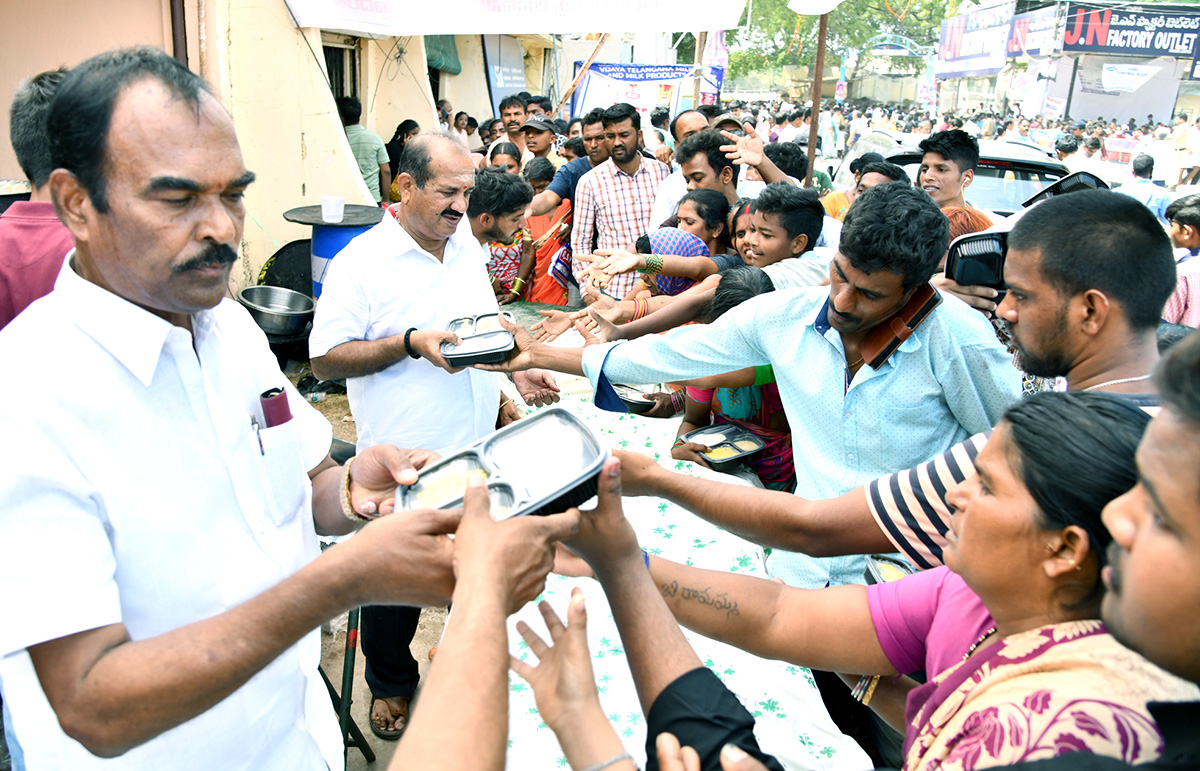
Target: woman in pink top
[[1019, 666]]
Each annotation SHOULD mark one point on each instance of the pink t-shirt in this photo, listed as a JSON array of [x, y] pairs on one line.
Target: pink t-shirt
[[33, 244], [927, 621]]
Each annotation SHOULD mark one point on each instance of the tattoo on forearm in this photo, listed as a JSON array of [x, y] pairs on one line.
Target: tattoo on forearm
[[721, 601]]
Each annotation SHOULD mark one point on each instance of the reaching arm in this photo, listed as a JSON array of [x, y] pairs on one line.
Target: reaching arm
[[695, 415], [543, 203], [771, 518], [356, 358], [499, 566], [748, 151], [111, 693], [658, 652], [828, 629], [677, 311]]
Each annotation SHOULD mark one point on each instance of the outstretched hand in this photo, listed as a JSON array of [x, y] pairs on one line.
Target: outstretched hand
[[511, 556], [563, 683], [605, 539], [553, 324], [744, 150], [523, 345]]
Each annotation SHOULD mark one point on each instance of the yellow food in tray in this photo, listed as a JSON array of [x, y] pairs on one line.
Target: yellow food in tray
[[889, 571], [723, 452], [445, 484]]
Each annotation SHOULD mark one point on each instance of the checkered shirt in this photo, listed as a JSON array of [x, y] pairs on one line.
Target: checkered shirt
[[617, 205]]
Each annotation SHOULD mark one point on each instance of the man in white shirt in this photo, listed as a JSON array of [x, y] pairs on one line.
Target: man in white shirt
[[385, 305], [159, 540]]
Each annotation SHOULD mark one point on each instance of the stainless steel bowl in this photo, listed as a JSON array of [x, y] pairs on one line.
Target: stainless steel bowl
[[276, 310]]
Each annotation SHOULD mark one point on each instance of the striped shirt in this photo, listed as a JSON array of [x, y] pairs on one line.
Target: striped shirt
[[617, 205], [910, 506]]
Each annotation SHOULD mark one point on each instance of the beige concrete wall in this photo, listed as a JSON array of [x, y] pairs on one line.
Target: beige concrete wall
[[286, 120], [260, 67], [468, 90], [394, 90], [35, 37]]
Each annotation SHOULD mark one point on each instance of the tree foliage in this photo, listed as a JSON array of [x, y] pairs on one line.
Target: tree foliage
[[777, 36]]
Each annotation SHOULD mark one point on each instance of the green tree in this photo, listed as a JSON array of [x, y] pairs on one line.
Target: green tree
[[777, 36]]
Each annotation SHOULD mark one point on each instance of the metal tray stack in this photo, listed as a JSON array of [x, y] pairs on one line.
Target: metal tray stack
[[728, 444], [543, 464], [484, 341]]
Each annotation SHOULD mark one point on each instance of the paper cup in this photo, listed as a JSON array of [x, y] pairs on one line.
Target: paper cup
[[332, 208]]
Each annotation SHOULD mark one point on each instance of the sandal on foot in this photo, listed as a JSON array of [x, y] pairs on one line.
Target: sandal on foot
[[384, 733]]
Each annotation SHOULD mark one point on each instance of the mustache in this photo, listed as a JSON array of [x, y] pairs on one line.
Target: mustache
[[213, 254], [450, 213]]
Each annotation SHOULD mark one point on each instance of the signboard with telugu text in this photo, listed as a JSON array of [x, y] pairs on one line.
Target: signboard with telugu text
[[1140, 33], [974, 44]]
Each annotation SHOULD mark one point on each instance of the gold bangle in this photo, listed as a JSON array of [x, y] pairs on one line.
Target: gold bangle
[[344, 496], [505, 403], [515, 288]]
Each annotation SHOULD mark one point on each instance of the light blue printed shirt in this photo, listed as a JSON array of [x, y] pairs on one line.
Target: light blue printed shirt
[[951, 379]]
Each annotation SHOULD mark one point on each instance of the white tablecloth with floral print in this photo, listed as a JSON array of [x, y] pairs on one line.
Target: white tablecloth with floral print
[[791, 720]]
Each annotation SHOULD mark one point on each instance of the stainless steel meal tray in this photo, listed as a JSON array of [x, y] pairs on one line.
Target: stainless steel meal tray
[[546, 463], [722, 438], [484, 341], [631, 397]]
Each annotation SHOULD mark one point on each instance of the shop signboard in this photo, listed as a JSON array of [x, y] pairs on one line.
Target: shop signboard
[[974, 44], [1143, 32], [645, 86], [1033, 33]]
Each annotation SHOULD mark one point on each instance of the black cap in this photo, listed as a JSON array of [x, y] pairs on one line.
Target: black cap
[[538, 123]]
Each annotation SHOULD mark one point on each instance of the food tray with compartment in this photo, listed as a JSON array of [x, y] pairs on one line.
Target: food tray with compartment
[[484, 341], [728, 444], [543, 464]]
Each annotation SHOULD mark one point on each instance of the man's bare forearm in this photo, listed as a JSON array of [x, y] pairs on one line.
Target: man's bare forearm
[[467, 686], [776, 519], [135, 691], [544, 203], [357, 358], [566, 360], [655, 647]]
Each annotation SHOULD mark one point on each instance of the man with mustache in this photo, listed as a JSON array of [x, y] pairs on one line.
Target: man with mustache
[[513, 114], [616, 197], [160, 530], [385, 305]]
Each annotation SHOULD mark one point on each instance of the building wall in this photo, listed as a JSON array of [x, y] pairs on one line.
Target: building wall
[[35, 37], [469, 90], [269, 75]]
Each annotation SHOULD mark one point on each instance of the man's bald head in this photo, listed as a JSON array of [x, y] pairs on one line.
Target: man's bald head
[[81, 111], [422, 151]]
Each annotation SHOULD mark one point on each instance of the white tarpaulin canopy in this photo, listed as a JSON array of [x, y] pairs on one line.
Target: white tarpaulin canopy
[[387, 18]]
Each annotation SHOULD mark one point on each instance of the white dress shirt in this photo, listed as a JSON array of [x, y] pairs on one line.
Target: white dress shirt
[[383, 284], [137, 492]]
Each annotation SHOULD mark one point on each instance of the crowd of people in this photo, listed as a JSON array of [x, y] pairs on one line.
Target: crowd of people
[[1029, 452]]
